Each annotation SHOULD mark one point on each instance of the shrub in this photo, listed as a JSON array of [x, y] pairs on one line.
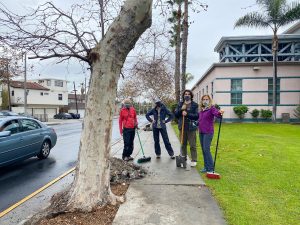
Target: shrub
[[297, 112], [255, 113], [173, 108], [266, 114], [240, 110], [217, 107], [5, 99]]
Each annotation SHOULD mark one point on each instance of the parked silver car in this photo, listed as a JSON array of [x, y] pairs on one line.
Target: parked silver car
[[22, 138]]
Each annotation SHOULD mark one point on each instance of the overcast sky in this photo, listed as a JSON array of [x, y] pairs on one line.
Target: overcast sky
[[208, 27]]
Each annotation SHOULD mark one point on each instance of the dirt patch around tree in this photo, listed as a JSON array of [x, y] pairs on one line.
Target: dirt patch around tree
[[101, 216], [121, 174]]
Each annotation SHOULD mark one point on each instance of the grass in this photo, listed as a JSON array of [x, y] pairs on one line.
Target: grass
[[259, 166]]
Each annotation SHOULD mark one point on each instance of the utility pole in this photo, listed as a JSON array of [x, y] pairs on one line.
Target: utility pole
[[75, 97], [25, 84], [8, 85]]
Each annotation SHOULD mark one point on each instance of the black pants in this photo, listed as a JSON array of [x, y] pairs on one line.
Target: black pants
[[165, 137], [128, 137]]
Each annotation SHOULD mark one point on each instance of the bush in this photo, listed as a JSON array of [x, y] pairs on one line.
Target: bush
[[266, 114], [240, 110], [255, 113], [217, 107], [5, 99], [173, 108], [297, 112]]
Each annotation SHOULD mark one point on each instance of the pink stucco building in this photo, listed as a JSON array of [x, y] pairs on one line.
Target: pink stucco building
[[243, 76]]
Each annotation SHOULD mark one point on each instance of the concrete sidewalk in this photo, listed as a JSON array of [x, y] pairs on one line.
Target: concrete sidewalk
[[168, 195]]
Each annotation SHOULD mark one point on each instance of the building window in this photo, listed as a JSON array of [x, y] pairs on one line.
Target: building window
[[202, 91], [270, 91], [212, 89], [59, 83], [207, 89], [59, 96], [236, 91], [48, 82], [45, 93], [12, 93], [42, 93]]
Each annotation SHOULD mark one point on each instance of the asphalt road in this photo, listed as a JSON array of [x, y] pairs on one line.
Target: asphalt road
[[19, 180]]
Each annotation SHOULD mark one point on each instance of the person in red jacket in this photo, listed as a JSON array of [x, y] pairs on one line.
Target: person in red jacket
[[127, 124]]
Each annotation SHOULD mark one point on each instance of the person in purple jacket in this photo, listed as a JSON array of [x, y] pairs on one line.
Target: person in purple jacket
[[207, 114]]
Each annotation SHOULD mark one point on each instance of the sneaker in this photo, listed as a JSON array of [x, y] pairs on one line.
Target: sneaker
[[158, 156], [130, 158], [203, 170], [172, 156], [126, 159], [193, 164]]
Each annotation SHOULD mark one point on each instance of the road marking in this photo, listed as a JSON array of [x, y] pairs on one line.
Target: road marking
[[35, 193], [3, 213]]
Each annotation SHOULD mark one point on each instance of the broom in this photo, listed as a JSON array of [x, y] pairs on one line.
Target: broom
[[144, 158], [214, 175]]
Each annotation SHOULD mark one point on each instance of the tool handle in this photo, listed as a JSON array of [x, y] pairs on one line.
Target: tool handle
[[220, 123], [140, 142], [182, 130]]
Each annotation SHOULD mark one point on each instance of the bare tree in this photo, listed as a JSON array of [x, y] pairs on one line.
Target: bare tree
[[10, 67], [155, 79], [50, 32]]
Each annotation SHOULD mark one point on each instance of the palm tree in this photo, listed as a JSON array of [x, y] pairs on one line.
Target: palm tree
[[277, 13], [176, 40], [188, 77]]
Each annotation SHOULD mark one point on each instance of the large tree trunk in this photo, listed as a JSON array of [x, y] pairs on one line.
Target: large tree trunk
[[177, 54], [274, 97], [91, 186], [184, 44]]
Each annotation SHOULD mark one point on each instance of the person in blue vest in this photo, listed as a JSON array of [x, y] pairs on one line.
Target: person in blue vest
[[160, 116]]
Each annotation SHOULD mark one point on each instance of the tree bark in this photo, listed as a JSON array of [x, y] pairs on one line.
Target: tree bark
[[177, 54], [91, 186], [184, 44]]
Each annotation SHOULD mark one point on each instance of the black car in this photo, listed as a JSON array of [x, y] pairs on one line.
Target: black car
[[75, 115], [63, 116]]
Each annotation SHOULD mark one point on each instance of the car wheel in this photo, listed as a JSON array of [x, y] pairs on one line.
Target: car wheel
[[45, 150]]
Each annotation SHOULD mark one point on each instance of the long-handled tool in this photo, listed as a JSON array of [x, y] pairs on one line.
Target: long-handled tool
[[214, 175], [179, 159], [144, 158]]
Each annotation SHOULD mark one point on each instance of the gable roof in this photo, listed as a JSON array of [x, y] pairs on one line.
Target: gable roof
[[295, 29], [29, 85]]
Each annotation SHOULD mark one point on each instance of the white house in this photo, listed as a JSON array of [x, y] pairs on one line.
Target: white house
[[44, 96], [244, 74]]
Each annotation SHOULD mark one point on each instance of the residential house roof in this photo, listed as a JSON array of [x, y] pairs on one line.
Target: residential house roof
[[293, 29], [29, 85]]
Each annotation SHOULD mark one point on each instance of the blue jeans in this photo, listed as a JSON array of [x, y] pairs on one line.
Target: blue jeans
[[164, 134], [205, 141]]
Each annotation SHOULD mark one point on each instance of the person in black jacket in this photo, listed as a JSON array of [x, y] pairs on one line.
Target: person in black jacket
[[161, 115], [187, 109]]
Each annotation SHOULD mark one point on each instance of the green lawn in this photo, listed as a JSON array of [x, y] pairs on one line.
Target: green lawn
[[260, 173]]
